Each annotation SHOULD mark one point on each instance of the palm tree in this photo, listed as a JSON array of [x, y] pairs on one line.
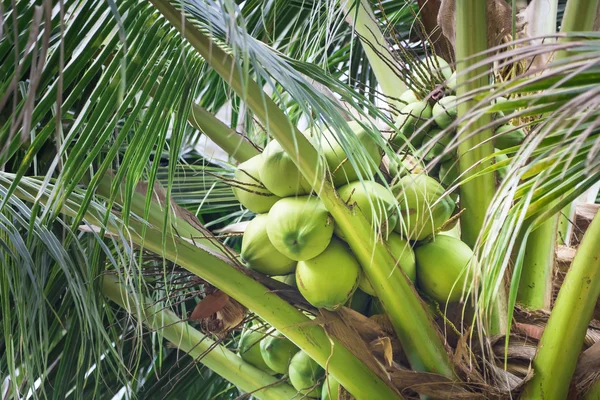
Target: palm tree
[[120, 231]]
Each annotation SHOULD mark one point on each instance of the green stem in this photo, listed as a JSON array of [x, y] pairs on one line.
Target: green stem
[[579, 16], [200, 347], [375, 47], [565, 332], [234, 144], [476, 194], [413, 324], [564, 225], [191, 251], [535, 285]]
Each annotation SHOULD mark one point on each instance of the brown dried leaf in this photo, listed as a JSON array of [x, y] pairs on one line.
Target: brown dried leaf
[[382, 349]]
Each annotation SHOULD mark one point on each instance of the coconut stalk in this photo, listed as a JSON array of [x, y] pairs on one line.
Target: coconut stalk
[[535, 284], [234, 144], [476, 194], [562, 340], [412, 322], [203, 349], [374, 44], [192, 253]]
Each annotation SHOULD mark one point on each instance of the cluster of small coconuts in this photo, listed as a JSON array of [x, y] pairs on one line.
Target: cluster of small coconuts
[[294, 239]]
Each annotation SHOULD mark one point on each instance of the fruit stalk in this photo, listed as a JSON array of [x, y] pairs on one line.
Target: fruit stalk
[[216, 357], [555, 361], [475, 195], [408, 314]]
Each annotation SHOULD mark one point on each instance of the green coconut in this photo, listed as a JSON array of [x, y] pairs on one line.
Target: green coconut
[[442, 268], [503, 170], [300, 227], [259, 254], [441, 144], [444, 111], [374, 201], [432, 65], [449, 172], [359, 302], [279, 174], [277, 351], [507, 136], [329, 280], [306, 375], [401, 251], [408, 97], [411, 118], [331, 388], [249, 348], [287, 279], [337, 159], [451, 82], [419, 216], [249, 190]]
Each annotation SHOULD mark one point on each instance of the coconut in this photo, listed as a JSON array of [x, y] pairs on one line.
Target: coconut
[[503, 170], [249, 190], [431, 65], [449, 172], [287, 279], [328, 280], [405, 257], [300, 227], [259, 254], [420, 217], [331, 388], [279, 174], [442, 268], [359, 302], [408, 97], [277, 351], [305, 375], [339, 164], [411, 118], [441, 144], [444, 111], [374, 201], [451, 82], [508, 136], [249, 348]]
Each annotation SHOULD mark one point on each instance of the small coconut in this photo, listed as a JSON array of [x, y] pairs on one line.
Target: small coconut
[[502, 171], [411, 118], [279, 174], [451, 82], [399, 249], [259, 254], [338, 161], [277, 351], [300, 227], [374, 201], [444, 111], [440, 146], [249, 190], [287, 279], [431, 69], [249, 348], [419, 216], [328, 280], [508, 136], [449, 172], [331, 388], [442, 267], [306, 375], [408, 97]]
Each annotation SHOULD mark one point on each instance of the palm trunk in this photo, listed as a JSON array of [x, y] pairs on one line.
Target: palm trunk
[[216, 357], [565, 332], [412, 323]]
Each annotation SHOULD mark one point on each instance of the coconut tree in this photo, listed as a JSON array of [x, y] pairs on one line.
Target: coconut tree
[[121, 239]]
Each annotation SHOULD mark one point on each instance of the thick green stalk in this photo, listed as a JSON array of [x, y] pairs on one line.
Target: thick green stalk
[[579, 16], [226, 138], [413, 324], [565, 332], [535, 285], [191, 252], [475, 195], [375, 47], [216, 357]]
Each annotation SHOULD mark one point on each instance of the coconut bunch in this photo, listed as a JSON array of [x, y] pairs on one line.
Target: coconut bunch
[[269, 350]]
